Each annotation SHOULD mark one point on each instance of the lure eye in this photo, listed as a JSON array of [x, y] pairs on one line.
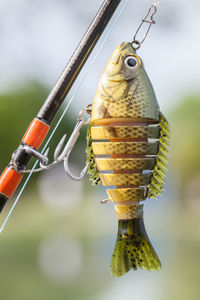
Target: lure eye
[[131, 61]]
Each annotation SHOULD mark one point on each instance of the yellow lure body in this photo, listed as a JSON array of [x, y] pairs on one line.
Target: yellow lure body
[[128, 140]]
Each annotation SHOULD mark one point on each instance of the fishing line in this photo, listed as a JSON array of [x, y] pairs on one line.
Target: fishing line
[[65, 110]]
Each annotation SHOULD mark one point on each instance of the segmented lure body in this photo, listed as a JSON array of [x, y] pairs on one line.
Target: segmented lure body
[[127, 148]]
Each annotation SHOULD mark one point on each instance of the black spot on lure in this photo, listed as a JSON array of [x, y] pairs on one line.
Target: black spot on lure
[[127, 148]]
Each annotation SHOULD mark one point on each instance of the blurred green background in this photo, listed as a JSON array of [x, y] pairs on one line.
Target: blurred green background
[[59, 240]]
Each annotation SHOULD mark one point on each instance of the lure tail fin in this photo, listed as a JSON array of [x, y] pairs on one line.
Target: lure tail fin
[[133, 249]]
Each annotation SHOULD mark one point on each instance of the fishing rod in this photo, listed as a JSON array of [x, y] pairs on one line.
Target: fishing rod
[[39, 127]]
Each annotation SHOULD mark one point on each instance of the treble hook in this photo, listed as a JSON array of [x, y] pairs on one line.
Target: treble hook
[[64, 155], [135, 41]]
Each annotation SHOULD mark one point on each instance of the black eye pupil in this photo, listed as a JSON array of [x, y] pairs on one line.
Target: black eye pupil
[[131, 62]]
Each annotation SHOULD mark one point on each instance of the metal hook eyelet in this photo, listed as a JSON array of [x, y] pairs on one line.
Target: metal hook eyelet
[[136, 44], [87, 110]]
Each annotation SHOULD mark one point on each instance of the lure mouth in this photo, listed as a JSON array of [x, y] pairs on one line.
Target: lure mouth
[[128, 47]]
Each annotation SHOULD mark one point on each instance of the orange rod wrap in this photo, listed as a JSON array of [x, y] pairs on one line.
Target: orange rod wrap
[[9, 181], [35, 133]]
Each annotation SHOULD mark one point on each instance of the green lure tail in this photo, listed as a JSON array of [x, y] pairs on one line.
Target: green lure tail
[[133, 249]]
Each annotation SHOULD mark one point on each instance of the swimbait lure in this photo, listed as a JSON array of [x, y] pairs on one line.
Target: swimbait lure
[[127, 148]]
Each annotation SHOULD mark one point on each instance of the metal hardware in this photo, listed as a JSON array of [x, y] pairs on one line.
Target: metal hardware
[[104, 201], [151, 12], [58, 155]]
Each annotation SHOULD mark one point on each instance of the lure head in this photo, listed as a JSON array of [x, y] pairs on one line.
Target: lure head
[[123, 64], [124, 90]]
